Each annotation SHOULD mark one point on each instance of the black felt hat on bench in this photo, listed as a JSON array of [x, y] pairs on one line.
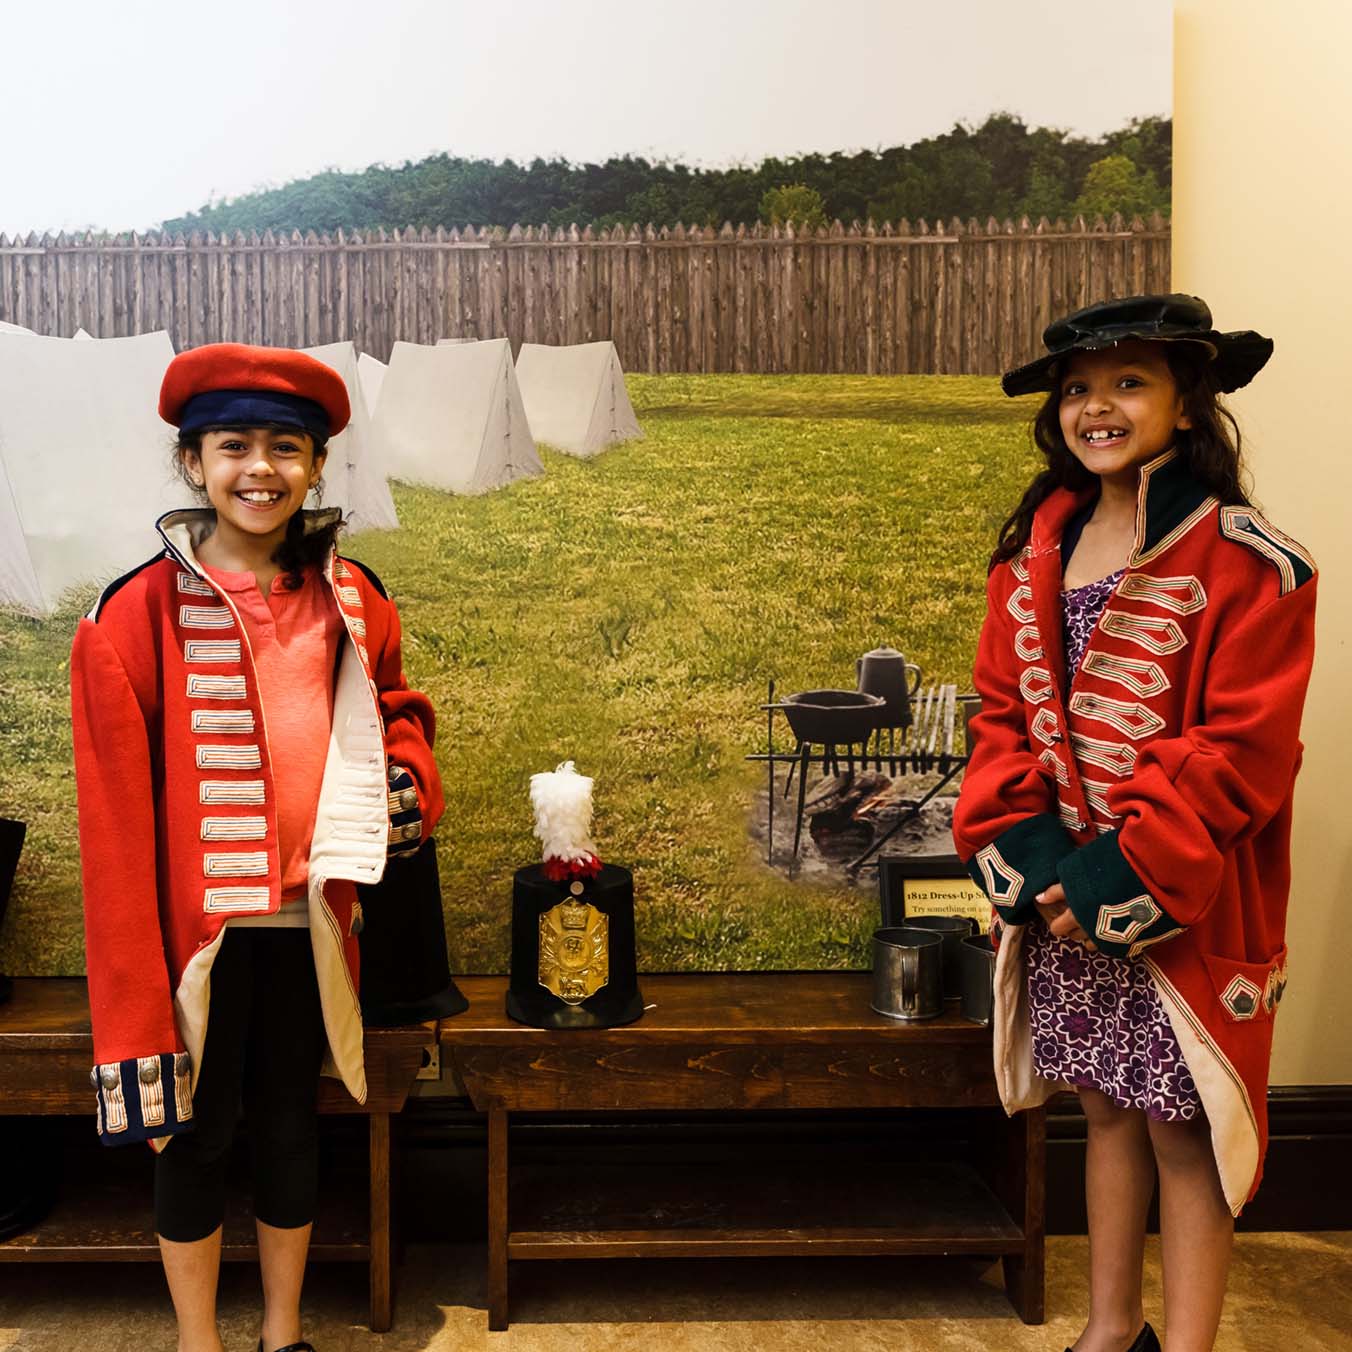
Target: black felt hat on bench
[[405, 974], [29, 1162], [11, 844]]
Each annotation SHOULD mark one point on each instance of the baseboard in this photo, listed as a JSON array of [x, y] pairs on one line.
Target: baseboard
[[1304, 1178], [440, 1147]]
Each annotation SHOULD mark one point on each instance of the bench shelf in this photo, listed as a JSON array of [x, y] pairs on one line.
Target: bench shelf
[[728, 1042]]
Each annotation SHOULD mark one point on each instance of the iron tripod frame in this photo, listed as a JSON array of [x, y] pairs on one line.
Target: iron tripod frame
[[919, 753]]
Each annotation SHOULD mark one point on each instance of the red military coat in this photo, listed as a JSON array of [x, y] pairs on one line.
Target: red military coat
[[1157, 789], [178, 819]]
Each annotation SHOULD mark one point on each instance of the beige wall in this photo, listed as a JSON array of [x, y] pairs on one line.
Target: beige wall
[[1263, 231]]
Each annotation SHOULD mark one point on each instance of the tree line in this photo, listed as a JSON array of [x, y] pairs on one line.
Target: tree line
[[1002, 168]]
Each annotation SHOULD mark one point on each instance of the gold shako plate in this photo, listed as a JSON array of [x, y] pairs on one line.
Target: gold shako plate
[[574, 950]]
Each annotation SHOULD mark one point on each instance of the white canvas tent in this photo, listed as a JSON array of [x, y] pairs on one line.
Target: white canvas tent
[[371, 374], [353, 476], [451, 417], [85, 466], [575, 396]]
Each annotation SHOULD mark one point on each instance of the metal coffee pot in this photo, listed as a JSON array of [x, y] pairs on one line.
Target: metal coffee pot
[[885, 672]]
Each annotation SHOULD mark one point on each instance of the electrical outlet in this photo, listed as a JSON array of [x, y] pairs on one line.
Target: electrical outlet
[[431, 1066]]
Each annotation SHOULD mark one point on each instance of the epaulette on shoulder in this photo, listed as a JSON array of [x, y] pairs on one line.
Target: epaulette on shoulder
[[117, 584], [1292, 561], [370, 575]]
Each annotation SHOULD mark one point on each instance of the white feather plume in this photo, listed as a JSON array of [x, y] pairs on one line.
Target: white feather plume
[[563, 813]]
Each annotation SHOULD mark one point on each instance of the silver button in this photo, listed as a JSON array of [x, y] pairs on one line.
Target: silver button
[[576, 889], [182, 1063], [1142, 911], [149, 1074], [109, 1077], [408, 798]]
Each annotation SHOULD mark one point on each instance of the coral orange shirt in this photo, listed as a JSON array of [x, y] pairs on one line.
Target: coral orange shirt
[[295, 638]]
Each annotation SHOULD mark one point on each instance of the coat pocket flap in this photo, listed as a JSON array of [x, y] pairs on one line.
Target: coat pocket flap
[[1247, 990]]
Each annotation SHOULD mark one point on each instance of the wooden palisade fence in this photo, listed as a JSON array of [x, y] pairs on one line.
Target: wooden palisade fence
[[960, 298]]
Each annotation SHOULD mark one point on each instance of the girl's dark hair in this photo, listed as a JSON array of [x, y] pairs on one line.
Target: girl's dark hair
[[1210, 448], [299, 548]]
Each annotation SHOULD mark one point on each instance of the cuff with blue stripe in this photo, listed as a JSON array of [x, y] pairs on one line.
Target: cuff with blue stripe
[[406, 826], [143, 1097]]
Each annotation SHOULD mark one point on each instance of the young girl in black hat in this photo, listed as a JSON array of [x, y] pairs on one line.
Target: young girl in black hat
[[1127, 803], [247, 751]]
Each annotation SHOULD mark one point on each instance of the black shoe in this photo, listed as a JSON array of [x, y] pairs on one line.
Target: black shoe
[[304, 1347], [1146, 1341]]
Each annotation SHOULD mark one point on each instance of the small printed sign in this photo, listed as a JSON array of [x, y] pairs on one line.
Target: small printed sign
[[946, 896]]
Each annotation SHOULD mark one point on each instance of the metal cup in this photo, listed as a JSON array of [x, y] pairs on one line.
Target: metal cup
[[978, 978], [954, 929], [907, 973]]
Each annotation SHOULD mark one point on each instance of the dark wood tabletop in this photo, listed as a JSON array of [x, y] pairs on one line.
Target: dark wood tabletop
[[46, 1014], [47, 1049], [720, 1041], [723, 1007]]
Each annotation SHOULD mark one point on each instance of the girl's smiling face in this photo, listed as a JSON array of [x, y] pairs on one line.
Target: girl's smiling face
[[1120, 407], [256, 478]]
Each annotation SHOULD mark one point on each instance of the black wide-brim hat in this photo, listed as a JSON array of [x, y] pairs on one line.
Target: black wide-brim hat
[[405, 973], [11, 844], [1235, 357]]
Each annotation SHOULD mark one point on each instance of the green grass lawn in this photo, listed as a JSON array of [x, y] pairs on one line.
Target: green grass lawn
[[626, 613]]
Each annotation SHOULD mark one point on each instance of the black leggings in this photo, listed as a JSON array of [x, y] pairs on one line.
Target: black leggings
[[265, 1042]]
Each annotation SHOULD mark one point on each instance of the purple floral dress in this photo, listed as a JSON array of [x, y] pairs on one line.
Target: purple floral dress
[[1098, 1021]]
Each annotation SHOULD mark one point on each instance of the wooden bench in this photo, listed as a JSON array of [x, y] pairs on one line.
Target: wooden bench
[[711, 1042], [104, 1214], [774, 1041]]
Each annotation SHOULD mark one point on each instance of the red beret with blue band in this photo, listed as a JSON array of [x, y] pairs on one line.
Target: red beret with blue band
[[235, 385]]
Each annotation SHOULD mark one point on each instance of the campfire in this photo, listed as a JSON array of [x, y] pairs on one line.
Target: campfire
[[883, 752]]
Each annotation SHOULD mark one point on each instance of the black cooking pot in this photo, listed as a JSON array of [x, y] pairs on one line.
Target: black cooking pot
[[832, 717]]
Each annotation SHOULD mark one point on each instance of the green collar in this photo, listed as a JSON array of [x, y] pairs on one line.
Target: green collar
[[1169, 503]]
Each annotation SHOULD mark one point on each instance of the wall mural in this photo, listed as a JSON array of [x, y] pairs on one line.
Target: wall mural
[[647, 451]]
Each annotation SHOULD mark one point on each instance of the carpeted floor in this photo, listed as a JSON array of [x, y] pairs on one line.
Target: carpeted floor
[[1288, 1293]]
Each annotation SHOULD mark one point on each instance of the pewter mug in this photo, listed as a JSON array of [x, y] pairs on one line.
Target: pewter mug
[[953, 929], [885, 672], [907, 973], [978, 978]]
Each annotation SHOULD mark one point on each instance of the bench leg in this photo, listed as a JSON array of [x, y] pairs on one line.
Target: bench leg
[[497, 1217], [381, 1272], [1025, 1273]]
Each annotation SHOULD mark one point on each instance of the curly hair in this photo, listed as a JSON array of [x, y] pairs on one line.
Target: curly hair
[[299, 547], [1210, 448]]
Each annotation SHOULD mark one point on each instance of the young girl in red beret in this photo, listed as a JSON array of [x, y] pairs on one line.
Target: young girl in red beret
[[246, 751], [1127, 804]]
